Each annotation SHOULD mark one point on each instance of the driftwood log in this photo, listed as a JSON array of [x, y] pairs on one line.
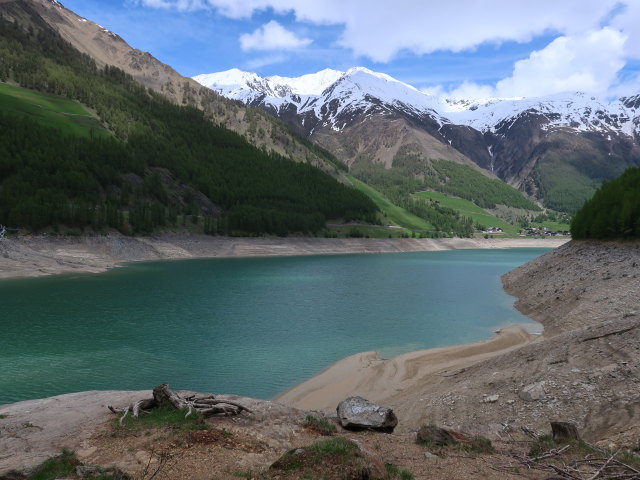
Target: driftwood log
[[208, 405]]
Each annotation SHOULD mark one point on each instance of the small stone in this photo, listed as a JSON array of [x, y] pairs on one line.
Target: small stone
[[533, 392], [429, 455], [511, 402], [491, 399]]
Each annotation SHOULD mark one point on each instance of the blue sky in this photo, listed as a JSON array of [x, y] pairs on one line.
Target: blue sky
[[470, 48]]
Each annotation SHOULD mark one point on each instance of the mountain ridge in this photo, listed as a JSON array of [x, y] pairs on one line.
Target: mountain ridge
[[108, 48], [556, 149], [467, 112]]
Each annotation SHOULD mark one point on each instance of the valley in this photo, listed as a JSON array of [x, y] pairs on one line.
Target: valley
[[268, 189], [556, 150]]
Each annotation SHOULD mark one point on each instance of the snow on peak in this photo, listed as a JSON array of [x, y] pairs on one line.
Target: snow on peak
[[361, 89], [233, 76], [310, 84], [274, 86]]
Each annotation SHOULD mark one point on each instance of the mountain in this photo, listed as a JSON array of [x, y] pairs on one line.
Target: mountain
[[108, 48], [227, 83], [557, 149], [85, 146]]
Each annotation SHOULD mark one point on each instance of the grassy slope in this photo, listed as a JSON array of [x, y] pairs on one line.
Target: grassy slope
[[393, 213], [469, 209], [50, 110], [481, 216]]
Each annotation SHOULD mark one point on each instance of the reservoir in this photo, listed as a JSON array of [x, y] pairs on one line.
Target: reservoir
[[248, 326]]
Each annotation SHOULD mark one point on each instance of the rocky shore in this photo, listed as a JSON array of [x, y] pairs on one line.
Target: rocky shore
[[33, 256], [582, 370]]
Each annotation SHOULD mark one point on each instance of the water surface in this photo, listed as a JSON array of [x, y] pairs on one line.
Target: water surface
[[250, 326]]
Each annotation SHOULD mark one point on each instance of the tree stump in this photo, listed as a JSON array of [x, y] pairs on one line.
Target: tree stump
[[162, 395], [564, 432]]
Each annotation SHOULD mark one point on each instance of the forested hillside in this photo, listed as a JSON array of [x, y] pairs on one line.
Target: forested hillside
[[613, 212], [162, 165]]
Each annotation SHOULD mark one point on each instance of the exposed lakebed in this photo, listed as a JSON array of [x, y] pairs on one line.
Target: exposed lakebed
[[249, 326]]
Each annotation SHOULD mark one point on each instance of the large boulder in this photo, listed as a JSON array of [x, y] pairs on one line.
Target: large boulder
[[357, 413], [533, 392]]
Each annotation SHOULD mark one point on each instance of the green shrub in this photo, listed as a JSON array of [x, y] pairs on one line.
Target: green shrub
[[543, 444]]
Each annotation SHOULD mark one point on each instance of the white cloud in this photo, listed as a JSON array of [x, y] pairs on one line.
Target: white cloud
[[595, 38], [256, 64], [272, 36], [628, 21], [180, 5], [380, 30], [588, 62]]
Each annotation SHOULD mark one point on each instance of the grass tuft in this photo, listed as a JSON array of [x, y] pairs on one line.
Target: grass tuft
[[543, 444], [397, 472], [335, 446], [320, 425], [57, 467], [163, 417], [479, 444]]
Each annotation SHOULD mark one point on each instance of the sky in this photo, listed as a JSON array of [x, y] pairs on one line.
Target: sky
[[459, 48]]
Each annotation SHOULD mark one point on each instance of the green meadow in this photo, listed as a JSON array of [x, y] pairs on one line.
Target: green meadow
[[482, 217], [471, 210], [392, 213], [50, 110]]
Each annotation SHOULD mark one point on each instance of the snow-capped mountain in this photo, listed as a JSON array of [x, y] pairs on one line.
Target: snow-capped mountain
[[245, 86], [360, 88], [364, 114]]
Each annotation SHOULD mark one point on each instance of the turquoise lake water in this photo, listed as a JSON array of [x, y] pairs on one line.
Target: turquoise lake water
[[249, 326]]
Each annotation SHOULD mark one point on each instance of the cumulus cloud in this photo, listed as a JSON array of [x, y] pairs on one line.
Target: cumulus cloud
[[627, 20], [272, 36], [381, 31], [588, 62]]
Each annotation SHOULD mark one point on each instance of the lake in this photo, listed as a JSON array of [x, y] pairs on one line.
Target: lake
[[248, 326]]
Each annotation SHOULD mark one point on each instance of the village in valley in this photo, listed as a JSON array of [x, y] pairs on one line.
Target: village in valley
[[531, 232]]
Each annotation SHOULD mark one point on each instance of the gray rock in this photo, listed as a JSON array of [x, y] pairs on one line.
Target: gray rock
[[533, 392], [491, 399], [358, 413]]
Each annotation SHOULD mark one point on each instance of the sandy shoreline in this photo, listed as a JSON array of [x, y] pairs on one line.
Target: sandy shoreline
[[45, 255], [360, 374], [385, 380]]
